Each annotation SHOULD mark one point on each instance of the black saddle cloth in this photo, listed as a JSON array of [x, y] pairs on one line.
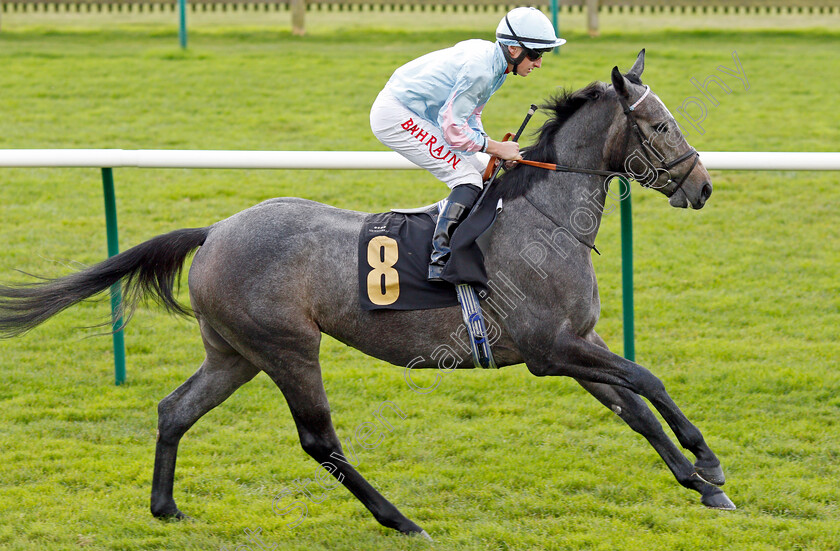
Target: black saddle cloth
[[394, 252]]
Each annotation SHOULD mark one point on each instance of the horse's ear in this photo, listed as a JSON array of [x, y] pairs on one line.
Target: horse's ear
[[638, 68], [618, 82]]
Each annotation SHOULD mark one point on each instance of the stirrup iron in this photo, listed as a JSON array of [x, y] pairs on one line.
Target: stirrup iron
[[471, 311]]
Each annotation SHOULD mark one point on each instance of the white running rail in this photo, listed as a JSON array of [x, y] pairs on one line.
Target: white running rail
[[349, 160]]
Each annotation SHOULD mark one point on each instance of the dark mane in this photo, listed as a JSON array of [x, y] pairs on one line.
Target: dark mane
[[560, 107]]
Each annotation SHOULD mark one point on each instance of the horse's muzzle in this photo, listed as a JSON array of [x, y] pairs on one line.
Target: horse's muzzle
[[681, 198]]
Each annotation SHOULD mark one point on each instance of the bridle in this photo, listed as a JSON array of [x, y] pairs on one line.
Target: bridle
[[646, 146], [644, 142]]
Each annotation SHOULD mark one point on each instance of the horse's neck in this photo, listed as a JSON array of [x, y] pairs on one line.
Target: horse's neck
[[572, 201]]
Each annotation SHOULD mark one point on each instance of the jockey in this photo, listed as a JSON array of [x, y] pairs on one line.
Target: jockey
[[430, 112]]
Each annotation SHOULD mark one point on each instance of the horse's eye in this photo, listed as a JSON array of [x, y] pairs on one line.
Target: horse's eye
[[662, 127]]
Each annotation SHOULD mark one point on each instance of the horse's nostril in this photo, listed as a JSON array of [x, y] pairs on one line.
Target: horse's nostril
[[706, 192]]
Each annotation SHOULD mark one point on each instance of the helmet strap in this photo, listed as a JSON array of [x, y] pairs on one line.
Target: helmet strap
[[514, 61]]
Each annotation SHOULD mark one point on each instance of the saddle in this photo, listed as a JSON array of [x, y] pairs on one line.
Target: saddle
[[394, 251]]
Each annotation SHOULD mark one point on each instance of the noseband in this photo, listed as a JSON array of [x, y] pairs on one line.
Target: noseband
[[646, 145]]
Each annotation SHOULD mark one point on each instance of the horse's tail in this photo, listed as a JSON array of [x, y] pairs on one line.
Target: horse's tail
[[150, 268]]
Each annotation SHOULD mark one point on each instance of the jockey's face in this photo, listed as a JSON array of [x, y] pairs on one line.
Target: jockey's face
[[526, 65]]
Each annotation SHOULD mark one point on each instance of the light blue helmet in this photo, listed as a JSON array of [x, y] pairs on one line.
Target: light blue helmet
[[528, 28]]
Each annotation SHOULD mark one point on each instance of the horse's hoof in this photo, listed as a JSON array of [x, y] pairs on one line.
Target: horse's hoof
[[171, 516], [713, 475], [421, 534], [716, 499]]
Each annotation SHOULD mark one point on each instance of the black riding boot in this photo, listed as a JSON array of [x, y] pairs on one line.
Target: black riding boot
[[455, 208]]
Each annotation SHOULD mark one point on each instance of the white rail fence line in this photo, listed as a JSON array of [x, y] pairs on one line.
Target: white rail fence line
[[348, 160], [108, 159]]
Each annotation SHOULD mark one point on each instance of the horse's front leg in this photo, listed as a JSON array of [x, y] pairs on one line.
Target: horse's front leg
[[633, 411], [592, 362]]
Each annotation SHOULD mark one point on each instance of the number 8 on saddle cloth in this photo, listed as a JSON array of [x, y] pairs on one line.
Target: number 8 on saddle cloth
[[394, 250]]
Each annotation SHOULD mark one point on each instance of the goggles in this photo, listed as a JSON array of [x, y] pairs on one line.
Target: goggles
[[534, 55]]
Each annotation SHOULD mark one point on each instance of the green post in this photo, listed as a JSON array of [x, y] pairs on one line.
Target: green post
[[116, 290], [627, 269], [555, 21], [182, 23]]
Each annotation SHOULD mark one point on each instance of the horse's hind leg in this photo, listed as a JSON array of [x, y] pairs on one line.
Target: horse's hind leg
[[633, 411], [222, 372], [298, 375]]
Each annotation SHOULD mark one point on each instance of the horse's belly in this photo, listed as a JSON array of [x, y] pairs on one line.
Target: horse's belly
[[421, 338]]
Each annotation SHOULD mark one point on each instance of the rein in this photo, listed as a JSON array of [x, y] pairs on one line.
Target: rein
[[666, 165], [564, 168]]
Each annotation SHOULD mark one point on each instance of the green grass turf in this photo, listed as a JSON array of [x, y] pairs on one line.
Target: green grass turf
[[736, 305]]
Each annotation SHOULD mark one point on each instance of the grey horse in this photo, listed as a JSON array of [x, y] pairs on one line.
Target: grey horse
[[267, 282]]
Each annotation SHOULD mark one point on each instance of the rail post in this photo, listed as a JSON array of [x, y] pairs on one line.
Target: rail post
[[116, 289], [627, 269], [182, 24], [592, 7], [298, 8]]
